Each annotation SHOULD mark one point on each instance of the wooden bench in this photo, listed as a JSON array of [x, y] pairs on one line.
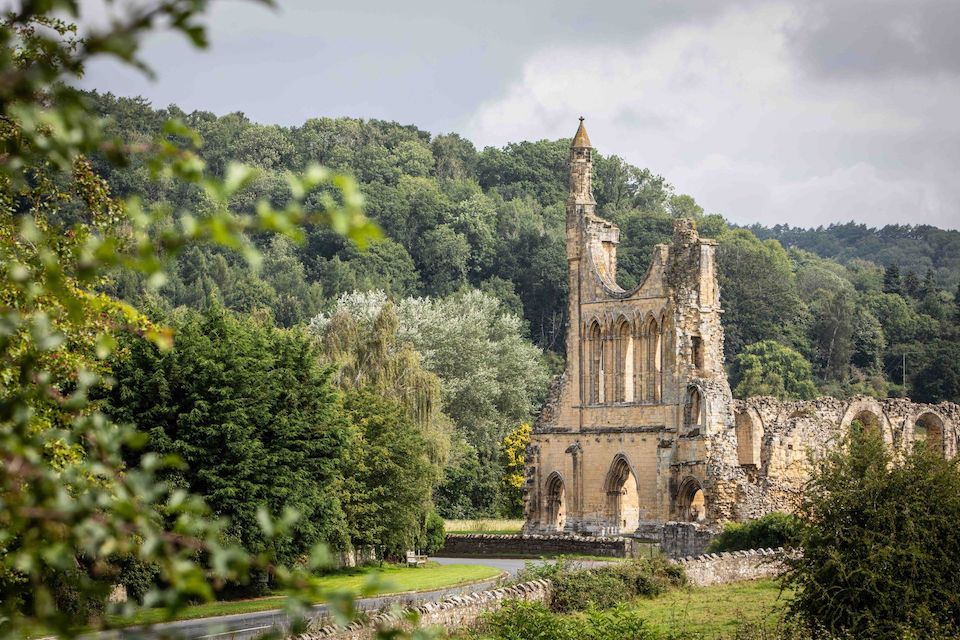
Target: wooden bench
[[415, 559]]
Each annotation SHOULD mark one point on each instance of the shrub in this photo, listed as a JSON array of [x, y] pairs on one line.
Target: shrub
[[138, 577], [606, 586], [519, 620], [547, 570], [773, 530], [433, 536], [881, 546], [77, 594]]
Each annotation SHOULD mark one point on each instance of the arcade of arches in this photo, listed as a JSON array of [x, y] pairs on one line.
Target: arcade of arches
[[642, 428]]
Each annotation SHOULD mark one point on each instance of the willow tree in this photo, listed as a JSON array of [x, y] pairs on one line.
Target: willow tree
[[369, 356]]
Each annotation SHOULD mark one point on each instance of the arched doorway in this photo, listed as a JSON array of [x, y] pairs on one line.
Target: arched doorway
[[691, 501], [623, 498], [555, 512], [928, 430]]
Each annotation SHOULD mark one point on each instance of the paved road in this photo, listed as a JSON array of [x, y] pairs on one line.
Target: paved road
[[244, 626]]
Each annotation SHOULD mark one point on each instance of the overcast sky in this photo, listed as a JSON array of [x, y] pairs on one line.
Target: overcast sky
[[802, 112]]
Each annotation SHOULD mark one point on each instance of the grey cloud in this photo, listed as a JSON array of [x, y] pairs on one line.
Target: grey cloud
[[872, 84], [846, 38]]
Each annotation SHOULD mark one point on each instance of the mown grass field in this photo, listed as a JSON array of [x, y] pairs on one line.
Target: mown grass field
[[713, 611], [483, 525], [393, 579]]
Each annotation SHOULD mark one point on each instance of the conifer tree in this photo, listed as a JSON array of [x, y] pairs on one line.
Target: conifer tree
[[891, 279], [254, 417], [911, 285]]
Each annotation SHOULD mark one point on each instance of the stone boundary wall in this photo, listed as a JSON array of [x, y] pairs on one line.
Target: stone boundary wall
[[451, 613], [536, 545], [460, 611], [678, 539], [732, 566]]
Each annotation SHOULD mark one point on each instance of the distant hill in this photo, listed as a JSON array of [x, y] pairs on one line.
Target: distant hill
[[912, 248], [456, 217]]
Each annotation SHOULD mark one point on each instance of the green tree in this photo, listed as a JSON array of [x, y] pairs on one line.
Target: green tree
[[392, 478], [938, 377], [769, 368], [443, 254], [956, 305], [258, 397], [470, 488], [513, 455], [869, 342], [361, 340], [832, 332], [911, 284], [758, 290], [456, 157], [891, 280], [868, 566]]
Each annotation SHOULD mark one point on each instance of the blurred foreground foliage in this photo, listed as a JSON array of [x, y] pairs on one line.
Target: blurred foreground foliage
[[74, 516]]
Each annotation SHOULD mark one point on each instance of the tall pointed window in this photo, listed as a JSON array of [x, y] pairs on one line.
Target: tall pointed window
[[652, 367], [624, 362], [595, 344]]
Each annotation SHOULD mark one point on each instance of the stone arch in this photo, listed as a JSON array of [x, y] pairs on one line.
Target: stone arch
[[690, 502], [555, 509], [623, 496], [749, 432], [595, 362], [870, 415], [929, 429], [623, 358], [694, 410]]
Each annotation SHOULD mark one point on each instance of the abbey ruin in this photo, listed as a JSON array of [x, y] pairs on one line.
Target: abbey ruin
[[642, 427]]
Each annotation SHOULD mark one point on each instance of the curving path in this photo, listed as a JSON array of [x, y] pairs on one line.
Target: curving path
[[245, 626]]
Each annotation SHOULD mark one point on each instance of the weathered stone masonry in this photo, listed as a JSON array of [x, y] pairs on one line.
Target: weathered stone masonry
[[641, 428]]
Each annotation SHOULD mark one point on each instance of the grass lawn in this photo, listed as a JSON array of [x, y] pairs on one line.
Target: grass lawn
[[483, 525], [394, 579], [713, 611]]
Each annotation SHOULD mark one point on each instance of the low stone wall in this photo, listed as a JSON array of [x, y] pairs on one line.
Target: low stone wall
[[464, 610], [732, 566], [683, 539], [536, 545], [450, 613]]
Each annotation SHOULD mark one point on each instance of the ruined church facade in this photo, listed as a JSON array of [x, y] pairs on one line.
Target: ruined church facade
[[642, 427]]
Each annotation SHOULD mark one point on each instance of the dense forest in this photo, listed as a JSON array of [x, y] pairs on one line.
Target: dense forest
[[458, 312]]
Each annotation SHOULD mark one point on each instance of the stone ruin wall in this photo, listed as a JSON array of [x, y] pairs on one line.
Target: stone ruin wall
[[642, 426], [761, 462]]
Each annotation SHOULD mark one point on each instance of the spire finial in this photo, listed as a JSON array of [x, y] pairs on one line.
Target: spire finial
[[581, 140]]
